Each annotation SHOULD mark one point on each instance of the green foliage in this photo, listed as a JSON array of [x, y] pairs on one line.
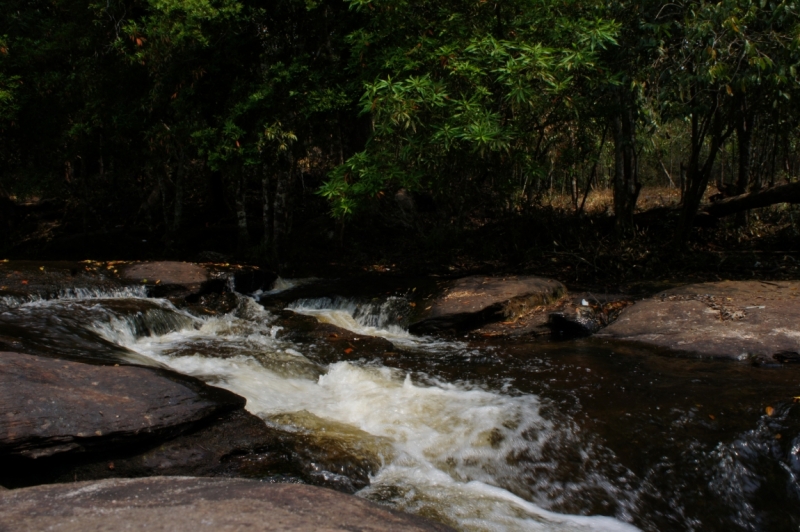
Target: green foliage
[[479, 105], [461, 87]]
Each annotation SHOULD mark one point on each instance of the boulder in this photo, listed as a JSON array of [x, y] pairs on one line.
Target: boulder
[[52, 406], [332, 343], [69, 329], [249, 280], [171, 278], [232, 444], [729, 319], [187, 504], [471, 302], [584, 314]]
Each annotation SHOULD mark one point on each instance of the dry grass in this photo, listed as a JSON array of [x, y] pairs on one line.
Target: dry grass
[[600, 201]]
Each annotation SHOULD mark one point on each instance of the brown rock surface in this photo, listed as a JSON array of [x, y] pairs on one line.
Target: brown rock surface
[[473, 301], [731, 319], [186, 504], [166, 272], [233, 444], [51, 406]]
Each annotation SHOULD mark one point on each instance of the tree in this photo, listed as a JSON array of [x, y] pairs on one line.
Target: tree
[[465, 97]]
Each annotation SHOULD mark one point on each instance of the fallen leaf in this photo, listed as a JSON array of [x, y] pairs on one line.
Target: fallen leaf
[[333, 335], [348, 350], [24, 281], [778, 436], [711, 417], [769, 410]]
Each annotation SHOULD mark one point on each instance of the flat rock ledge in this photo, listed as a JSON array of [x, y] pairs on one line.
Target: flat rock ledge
[[188, 504], [166, 272], [52, 406], [743, 320], [471, 302]]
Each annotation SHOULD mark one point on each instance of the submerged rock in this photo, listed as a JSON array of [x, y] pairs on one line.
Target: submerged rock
[[471, 302], [332, 454], [332, 343], [729, 319], [191, 504], [52, 406]]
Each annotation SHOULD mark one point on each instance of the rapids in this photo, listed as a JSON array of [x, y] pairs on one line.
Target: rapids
[[477, 433]]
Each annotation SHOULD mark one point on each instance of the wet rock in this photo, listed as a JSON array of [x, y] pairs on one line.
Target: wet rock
[[332, 454], [584, 314], [24, 280], [333, 343], [171, 279], [576, 321], [70, 329], [729, 319], [192, 504], [232, 444], [787, 357], [471, 302], [52, 406], [213, 303], [579, 315], [247, 281]]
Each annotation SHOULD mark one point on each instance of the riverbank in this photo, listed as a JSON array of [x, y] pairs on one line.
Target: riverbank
[[550, 241]]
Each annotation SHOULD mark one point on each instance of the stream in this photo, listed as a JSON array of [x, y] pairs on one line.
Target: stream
[[478, 433]]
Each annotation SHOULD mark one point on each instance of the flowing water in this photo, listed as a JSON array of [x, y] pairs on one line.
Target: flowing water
[[481, 434]]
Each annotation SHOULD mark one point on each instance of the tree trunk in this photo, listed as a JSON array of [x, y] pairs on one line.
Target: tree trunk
[[279, 209], [180, 171], [666, 172], [744, 136], [626, 174], [266, 211], [161, 177], [699, 172], [789, 193], [243, 237], [683, 181]]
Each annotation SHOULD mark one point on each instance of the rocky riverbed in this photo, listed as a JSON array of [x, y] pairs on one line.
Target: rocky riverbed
[[129, 370]]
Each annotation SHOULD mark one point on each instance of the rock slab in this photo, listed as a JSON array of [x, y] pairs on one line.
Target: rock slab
[[729, 319], [166, 272], [471, 302], [51, 406], [187, 504]]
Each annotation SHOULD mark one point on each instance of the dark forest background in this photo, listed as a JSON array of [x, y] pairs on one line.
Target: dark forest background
[[606, 139]]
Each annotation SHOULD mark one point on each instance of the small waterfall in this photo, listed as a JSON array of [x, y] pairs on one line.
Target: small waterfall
[[385, 318], [127, 292]]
